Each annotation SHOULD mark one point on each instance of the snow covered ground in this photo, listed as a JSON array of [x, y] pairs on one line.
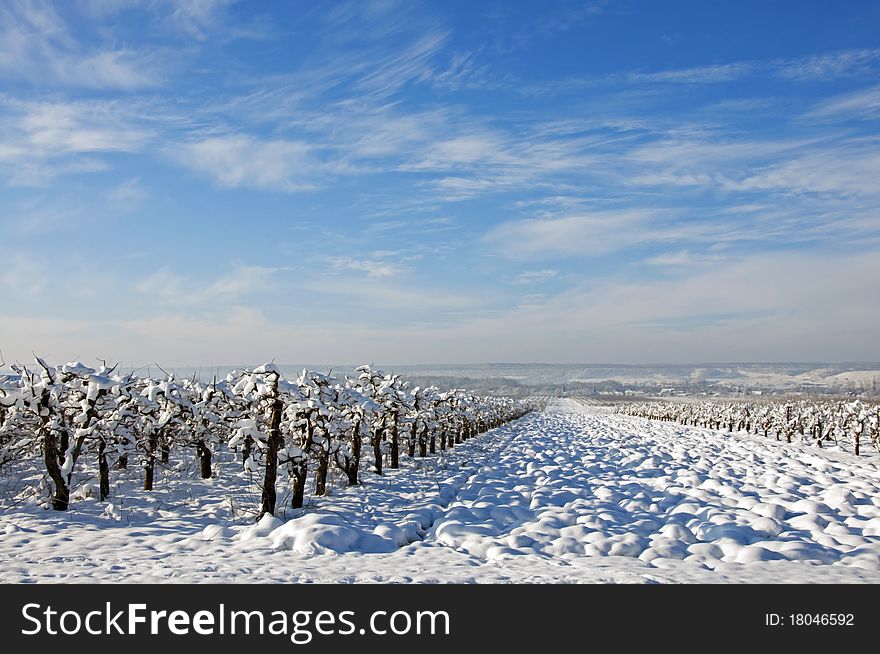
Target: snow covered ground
[[569, 495]]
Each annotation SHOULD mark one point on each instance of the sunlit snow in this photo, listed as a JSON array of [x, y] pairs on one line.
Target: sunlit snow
[[573, 494]]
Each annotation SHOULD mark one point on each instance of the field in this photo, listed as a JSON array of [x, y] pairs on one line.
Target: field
[[570, 493]]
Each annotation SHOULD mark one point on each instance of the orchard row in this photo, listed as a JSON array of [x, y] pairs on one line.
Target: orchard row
[[305, 426], [847, 425]]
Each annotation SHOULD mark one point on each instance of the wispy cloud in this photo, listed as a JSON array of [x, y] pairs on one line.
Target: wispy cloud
[[569, 16], [171, 288], [681, 258], [40, 174], [574, 235], [373, 20], [62, 128], [850, 169], [128, 195], [713, 74], [827, 66], [42, 140], [834, 163], [37, 46], [535, 276], [864, 104], [821, 67], [197, 18], [377, 267], [509, 35], [242, 161], [413, 64], [465, 71]]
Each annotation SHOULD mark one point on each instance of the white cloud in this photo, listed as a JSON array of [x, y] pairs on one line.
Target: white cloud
[[367, 133], [42, 140], [37, 46], [462, 188], [170, 288], [584, 234], [474, 160], [594, 233], [377, 267], [833, 65], [680, 258], [243, 161], [698, 153], [849, 169], [163, 284], [465, 150], [60, 128], [463, 72], [864, 103], [535, 276], [412, 64], [38, 174], [128, 195], [836, 163], [568, 17], [853, 63], [241, 280], [712, 74], [197, 18]]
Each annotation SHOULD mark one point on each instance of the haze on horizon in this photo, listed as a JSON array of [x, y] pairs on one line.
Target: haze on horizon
[[208, 183]]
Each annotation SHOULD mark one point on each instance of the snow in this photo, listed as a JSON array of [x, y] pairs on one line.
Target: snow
[[78, 369], [855, 376], [568, 495]]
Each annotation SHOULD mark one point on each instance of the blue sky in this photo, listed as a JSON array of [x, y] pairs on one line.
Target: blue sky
[[217, 182]]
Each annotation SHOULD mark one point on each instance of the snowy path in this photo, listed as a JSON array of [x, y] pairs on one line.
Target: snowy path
[[575, 483], [567, 495]]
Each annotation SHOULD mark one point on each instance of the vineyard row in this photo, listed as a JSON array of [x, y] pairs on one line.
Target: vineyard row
[[847, 425], [62, 415]]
